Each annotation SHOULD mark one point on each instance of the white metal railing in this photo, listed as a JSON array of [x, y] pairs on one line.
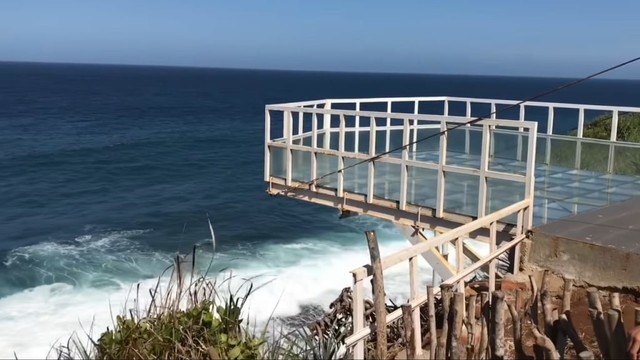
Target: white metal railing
[[458, 235], [547, 111], [314, 128]]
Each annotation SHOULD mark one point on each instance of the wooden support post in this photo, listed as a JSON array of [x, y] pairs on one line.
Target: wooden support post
[[484, 321], [471, 326], [566, 294], [517, 331], [378, 295], [614, 301], [443, 343], [407, 320], [456, 328], [597, 320], [433, 343], [566, 325], [497, 324], [617, 337], [547, 309]]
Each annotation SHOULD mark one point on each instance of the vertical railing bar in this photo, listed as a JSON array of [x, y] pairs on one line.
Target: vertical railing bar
[[387, 145], [267, 149], [414, 139], [314, 147], [484, 166], [358, 312], [467, 141], [341, 156], [550, 117], [326, 127], [404, 168], [530, 178], [288, 119], [441, 175], [492, 152], [300, 123], [413, 294], [460, 261], [356, 141], [492, 263], [613, 139], [579, 137], [520, 129], [372, 166]]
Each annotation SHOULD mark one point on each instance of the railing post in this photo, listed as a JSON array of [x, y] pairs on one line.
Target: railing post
[[460, 261], [341, 139], [267, 139], [358, 310], [287, 129], [326, 127], [547, 154], [372, 166], [413, 294], [484, 166], [613, 139], [403, 167], [521, 118], [467, 141], [492, 263], [314, 152], [441, 175], [387, 145], [579, 136], [414, 138]]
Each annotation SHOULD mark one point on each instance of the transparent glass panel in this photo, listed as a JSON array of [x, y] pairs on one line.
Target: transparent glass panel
[[508, 149], [387, 181], [327, 164], [502, 193], [422, 186], [464, 146], [461, 193], [278, 161], [427, 150], [594, 156], [563, 153], [300, 165], [355, 178], [626, 160], [597, 124]]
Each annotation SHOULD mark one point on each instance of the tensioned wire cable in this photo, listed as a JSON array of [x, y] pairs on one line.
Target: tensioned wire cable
[[459, 125]]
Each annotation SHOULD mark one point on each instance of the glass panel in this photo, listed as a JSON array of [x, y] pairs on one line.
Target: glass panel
[[355, 178], [327, 164], [457, 152], [594, 157], [626, 160], [278, 161], [563, 153], [427, 150], [461, 193], [387, 181], [504, 149], [502, 193], [422, 186], [300, 165]]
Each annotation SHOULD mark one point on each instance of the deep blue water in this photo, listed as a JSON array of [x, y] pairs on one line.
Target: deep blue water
[[102, 167]]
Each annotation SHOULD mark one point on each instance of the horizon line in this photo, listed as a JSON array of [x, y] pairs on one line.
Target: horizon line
[[304, 71]]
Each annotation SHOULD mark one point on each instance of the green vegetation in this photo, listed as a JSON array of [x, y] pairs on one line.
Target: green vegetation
[[595, 156], [200, 318]]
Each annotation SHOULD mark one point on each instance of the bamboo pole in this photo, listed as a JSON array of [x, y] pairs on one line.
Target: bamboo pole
[[614, 301], [457, 314], [497, 324], [407, 319], [378, 295], [597, 321], [432, 322]]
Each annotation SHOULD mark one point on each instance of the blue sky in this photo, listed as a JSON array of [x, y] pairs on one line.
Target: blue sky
[[540, 38]]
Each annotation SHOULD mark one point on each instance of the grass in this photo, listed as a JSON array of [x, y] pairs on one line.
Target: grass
[[198, 317]]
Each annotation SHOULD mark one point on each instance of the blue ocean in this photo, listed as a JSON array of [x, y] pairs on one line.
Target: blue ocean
[[108, 172]]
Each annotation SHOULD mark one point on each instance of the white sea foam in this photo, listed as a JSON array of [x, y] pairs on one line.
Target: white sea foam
[[308, 271]]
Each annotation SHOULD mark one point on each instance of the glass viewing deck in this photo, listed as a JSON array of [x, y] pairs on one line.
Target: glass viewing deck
[[535, 151]]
